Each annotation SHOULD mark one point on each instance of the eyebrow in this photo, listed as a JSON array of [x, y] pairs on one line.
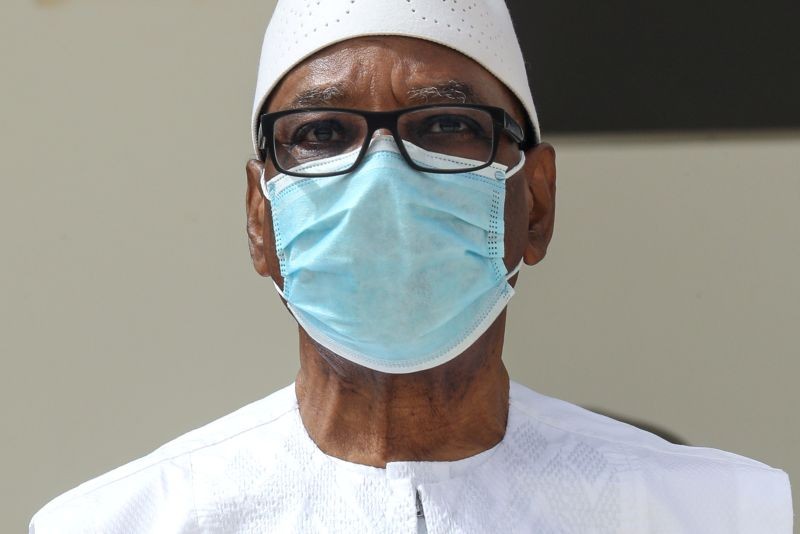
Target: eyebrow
[[452, 91], [318, 96]]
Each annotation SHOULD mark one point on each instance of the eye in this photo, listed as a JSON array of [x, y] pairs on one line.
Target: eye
[[450, 125], [318, 132]]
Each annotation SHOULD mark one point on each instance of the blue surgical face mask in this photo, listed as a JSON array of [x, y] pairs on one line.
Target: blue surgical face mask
[[394, 269]]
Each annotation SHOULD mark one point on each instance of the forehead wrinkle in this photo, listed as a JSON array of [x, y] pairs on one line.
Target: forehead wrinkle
[[381, 77], [323, 81]]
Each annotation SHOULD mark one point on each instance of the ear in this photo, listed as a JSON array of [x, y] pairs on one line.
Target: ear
[[255, 203], [540, 194]]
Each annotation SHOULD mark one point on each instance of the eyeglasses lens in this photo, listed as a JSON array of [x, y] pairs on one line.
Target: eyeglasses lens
[[307, 136], [453, 131]]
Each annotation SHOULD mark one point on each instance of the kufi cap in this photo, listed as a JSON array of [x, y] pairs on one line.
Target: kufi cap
[[479, 29]]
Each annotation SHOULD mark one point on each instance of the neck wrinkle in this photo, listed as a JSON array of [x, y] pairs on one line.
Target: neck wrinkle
[[448, 413]]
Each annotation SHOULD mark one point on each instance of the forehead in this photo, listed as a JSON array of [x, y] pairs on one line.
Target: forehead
[[385, 72]]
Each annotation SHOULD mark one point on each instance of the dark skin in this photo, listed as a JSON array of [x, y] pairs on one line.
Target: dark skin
[[460, 408]]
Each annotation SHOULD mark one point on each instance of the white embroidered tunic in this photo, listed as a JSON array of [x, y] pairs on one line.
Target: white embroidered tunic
[[559, 469]]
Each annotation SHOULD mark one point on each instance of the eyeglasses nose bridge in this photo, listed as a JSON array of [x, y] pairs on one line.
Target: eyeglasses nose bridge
[[382, 123]]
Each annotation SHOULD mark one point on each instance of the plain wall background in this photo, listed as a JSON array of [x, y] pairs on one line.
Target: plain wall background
[[130, 312]]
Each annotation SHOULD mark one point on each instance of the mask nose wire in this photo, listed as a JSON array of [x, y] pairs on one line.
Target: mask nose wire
[[380, 136], [382, 133]]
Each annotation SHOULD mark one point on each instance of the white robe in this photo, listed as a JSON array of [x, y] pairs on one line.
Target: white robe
[[559, 469]]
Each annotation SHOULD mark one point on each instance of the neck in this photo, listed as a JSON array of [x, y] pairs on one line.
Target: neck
[[447, 413]]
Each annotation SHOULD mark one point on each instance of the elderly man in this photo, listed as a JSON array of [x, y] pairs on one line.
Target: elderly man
[[400, 185]]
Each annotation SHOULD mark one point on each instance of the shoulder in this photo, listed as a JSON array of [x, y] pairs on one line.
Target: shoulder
[[155, 493], [667, 481]]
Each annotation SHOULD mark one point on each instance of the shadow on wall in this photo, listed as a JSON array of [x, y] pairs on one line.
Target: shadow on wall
[[648, 427]]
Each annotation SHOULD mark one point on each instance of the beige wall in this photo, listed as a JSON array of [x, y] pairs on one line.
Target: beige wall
[[130, 313]]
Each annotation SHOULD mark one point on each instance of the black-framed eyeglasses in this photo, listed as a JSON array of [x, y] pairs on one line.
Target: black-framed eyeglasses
[[469, 133]]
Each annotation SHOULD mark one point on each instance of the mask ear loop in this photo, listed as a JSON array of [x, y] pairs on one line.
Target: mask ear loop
[[511, 172], [515, 270], [263, 184], [516, 168], [279, 290]]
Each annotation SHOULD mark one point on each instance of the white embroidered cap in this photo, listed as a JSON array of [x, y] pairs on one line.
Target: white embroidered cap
[[479, 29]]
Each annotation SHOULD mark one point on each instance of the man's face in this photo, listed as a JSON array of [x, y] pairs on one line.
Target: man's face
[[386, 73]]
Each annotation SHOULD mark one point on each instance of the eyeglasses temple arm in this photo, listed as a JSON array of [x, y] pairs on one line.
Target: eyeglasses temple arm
[[262, 143], [513, 129]]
